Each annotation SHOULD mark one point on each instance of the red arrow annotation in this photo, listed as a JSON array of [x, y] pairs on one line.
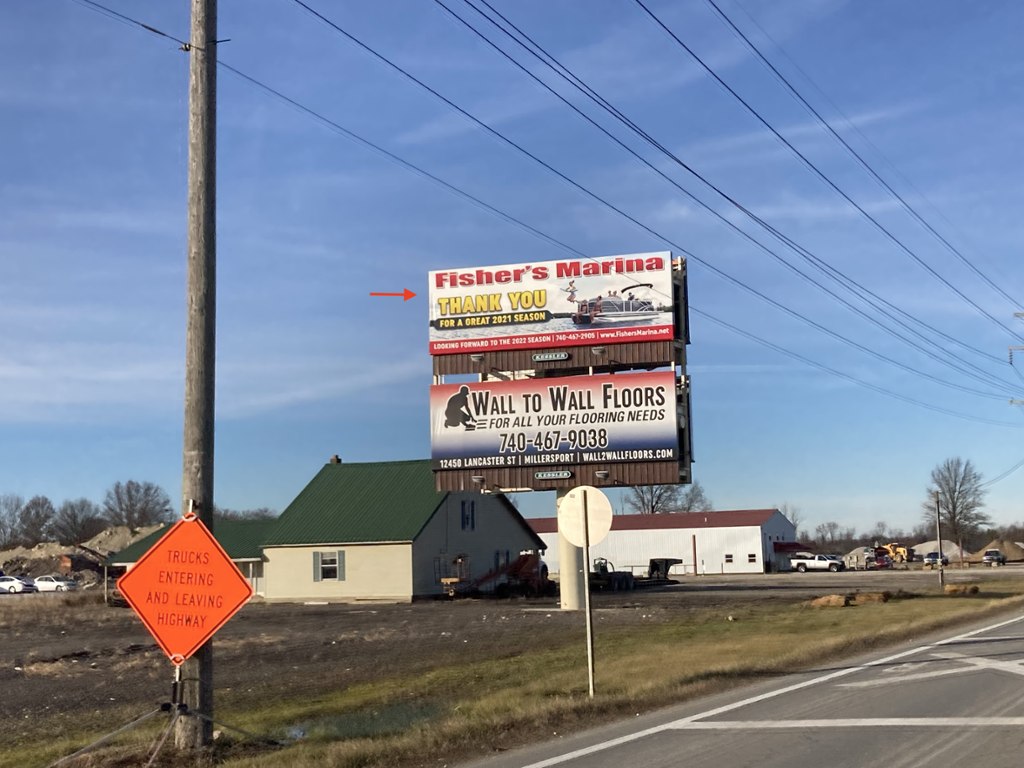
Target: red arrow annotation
[[406, 294]]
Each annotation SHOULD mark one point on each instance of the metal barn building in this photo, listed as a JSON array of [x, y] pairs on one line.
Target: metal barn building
[[734, 541]]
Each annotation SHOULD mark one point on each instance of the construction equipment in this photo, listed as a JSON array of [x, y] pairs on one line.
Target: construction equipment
[[527, 576], [896, 551], [604, 577]]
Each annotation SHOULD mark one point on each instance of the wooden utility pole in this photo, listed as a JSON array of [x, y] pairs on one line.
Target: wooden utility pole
[[938, 535], [201, 336]]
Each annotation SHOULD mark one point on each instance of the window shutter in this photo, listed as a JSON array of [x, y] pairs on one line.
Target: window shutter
[[341, 565], [316, 566]]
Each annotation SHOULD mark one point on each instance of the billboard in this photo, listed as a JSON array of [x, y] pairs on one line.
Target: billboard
[[569, 420], [574, 302]]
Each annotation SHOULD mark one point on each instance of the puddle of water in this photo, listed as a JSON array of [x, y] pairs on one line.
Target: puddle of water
[[378, 721]]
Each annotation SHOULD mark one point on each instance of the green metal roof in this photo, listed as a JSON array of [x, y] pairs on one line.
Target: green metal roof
[[241, 539], [351, 503]]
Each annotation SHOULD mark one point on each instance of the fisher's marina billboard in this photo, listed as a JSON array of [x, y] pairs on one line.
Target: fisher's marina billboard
[[573, 302], [544, 422]]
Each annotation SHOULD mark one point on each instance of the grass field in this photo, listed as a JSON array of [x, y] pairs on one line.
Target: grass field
[[457, 709]]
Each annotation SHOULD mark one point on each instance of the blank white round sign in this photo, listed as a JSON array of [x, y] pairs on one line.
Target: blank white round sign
[[570, 515]]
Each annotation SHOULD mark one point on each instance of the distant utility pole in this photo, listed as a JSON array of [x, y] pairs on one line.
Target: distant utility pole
[[938, 535], [201, 336]]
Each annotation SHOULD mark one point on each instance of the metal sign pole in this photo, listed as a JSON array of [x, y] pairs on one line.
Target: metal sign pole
[[586, 595]]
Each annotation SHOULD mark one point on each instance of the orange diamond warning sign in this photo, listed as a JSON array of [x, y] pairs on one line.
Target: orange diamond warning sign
[[185, 588]]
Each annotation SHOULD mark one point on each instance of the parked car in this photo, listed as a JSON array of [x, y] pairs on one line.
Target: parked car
[[817, 563], [55, 584], [14, 584], [932, 559], [993, 557], [880, 561]]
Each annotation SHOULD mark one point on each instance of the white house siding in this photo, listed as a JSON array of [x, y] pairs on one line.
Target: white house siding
[[495, 530], [372, 572], [777, 528], [634, 549]]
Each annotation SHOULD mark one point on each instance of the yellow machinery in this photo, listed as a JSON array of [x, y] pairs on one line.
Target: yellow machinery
[[897, 552]]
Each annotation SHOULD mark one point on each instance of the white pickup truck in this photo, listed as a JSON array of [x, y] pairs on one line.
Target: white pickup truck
[[804, 563]]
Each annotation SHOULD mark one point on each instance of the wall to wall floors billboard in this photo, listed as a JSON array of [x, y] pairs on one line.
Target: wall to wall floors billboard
[[570, 420], [574, 302]]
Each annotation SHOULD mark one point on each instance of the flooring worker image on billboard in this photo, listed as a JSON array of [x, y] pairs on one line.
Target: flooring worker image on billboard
[[457, 411]]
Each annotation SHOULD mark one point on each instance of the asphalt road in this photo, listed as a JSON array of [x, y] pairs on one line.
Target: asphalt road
[[955, 700]]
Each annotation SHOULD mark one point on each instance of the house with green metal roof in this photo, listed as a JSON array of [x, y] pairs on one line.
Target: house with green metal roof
[[375, 531], [242, 540], [380, 531]]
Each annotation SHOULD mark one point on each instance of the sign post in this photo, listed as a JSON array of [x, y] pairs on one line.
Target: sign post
[[584, 518], [586, 594]]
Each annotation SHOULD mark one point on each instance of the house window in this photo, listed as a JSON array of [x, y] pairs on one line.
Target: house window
[[329, 566], [728, 558], [501, 559], [751, 558], [469, 515]]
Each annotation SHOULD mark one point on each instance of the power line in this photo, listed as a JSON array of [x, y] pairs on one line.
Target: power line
[[593, 196], [860, 160], [369, 145], [1005, 474], [830, 272], [814, 169], [126, 20], [848, 377], [853, 127]]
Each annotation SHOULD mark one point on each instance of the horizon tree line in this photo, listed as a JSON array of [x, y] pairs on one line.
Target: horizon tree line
[[131, 504]]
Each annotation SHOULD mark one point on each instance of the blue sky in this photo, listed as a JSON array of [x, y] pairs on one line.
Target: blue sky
[[92, 225]]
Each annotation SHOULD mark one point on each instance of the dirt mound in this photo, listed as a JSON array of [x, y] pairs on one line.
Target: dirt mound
[[1012, 550], [117, 538], [961, 589], [949, 548], [861, 598], [830, 601]]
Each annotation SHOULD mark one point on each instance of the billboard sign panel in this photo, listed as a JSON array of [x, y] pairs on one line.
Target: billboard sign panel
[[570, 420], [574, 302]]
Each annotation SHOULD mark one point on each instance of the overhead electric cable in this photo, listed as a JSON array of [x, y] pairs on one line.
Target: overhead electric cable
[[1005, 474], [592, 195], [840, 374], [853, 127], [814, 169], [562, 71], [944, 358], [855, 155], [369, 145]]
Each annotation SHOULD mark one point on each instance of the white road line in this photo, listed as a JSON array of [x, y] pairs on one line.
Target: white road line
[[904, 678], [600, 747], [866, 722], [1013, 667]]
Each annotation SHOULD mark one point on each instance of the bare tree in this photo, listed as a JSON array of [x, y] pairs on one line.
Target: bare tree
[[653, 499], [693, 499], [136, 504], [10, 509], [793, 514], [826, 533], [259, 513], [961, 497], [77, 520], [880, 532], [34, 521]]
